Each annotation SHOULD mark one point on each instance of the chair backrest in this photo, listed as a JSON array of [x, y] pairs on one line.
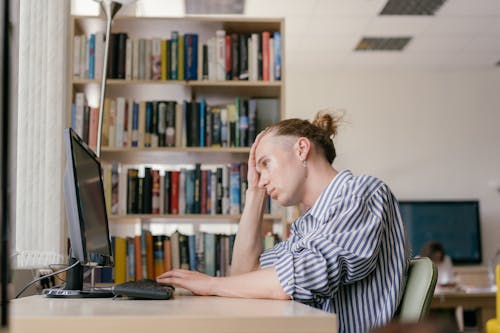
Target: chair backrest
[[420, 285]]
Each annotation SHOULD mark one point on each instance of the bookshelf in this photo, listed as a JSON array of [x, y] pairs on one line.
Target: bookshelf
[[213, 90]]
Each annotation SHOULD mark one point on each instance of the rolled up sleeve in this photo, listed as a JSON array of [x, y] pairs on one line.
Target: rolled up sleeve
[[342, 250]]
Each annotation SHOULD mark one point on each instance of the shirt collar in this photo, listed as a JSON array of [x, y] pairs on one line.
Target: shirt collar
[[333, 190]]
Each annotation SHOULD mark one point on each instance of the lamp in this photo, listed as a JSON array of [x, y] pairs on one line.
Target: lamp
[[110, 8]]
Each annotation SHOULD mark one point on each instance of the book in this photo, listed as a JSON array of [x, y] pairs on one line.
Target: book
[[120, 257], [191, 56], [175, 254], [220, 55], [158, 255]]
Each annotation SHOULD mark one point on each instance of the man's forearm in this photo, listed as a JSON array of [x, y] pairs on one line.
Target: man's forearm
[[263, 283], [248, 242]]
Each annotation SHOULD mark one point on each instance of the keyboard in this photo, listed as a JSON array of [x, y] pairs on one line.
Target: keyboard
[[144, 289]]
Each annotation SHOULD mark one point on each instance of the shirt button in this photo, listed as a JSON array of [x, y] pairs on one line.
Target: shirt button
[[290, 283]]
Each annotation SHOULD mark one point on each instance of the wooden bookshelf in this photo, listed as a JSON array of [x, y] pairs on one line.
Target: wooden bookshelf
[[214, 91]]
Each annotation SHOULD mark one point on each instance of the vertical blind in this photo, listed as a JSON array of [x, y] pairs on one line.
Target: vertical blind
[[40, 219]]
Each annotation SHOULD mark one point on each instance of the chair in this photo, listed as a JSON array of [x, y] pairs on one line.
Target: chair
[[417, 297]]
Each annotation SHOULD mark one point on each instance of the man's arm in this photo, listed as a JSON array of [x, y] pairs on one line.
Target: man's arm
[[248, 242], [263, 283]]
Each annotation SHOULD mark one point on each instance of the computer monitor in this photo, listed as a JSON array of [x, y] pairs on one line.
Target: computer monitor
[[453, 223], [86, 214]]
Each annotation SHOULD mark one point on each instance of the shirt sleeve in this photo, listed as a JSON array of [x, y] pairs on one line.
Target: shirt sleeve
[[343, 250]]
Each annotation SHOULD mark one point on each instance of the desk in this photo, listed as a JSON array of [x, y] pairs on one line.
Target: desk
[[181, 314], [483, 301]]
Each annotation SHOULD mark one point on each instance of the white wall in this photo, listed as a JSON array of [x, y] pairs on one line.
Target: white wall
[[427, 134]]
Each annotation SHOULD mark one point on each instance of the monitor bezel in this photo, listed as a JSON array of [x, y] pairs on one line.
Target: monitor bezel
[[76, 223], [474, 202]]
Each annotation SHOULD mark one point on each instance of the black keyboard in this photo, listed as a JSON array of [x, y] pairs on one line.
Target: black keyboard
[[144, 289]]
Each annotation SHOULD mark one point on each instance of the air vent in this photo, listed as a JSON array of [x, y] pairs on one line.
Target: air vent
[[382, 44], [412, 7], [203, 7]]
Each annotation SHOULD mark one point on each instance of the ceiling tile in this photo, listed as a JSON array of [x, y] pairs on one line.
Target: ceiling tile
[[423, 44], [337, 25], [470, 8], [352, 8], [463, 26], [397, 25], [483, 43]]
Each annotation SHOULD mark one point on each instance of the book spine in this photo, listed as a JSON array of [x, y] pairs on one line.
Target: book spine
[[120, 56], [220, 55], [277, 55], [243, 52], [130, 259], [158, 255], [265, 55], [167, 254], [234, 189], [129, 52], [135, 59], [115, 189], [138, 257], [77, 41], [183, 251], [235, 56], [180, 57], [170, 123], [191, 56], [192, 252], [155, 202], [156, 59], [132, 191], [120, 257], [164, 56], [147, 190], [228, 58], [174, 193], [174, 52], [91, 56]]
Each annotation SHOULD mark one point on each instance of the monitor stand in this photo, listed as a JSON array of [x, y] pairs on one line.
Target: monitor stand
[[74, 286]]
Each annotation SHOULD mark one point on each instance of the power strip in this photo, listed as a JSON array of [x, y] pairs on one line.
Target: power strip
[[47, 282]]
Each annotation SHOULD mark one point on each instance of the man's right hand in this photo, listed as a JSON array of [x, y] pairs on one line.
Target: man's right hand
[[253, 176]]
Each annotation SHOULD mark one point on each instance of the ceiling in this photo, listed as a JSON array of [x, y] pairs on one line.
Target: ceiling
[[463, 34]]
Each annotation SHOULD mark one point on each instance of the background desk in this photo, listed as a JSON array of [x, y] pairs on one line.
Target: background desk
[[181, 314], [483, 301]]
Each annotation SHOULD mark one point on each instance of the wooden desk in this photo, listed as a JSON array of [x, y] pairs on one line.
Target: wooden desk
[[180, 314], [483, 301]]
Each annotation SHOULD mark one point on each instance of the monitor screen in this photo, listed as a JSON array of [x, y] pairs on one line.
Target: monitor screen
[[455, 224], [85, 204]]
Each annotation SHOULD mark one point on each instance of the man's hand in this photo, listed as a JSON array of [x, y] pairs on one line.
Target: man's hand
[[196, 282], [253, 176]]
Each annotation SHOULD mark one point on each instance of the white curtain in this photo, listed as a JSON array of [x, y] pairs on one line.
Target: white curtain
[[43, 83]]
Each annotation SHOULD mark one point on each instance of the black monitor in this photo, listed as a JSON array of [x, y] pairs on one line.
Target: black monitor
[[453, 223], [86, 216]]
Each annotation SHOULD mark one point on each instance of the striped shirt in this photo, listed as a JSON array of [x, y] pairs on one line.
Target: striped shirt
[[347, 254]]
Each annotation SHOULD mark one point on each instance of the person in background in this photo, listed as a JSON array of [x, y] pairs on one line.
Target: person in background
[[446, 278], [347, 253], [435, 251]]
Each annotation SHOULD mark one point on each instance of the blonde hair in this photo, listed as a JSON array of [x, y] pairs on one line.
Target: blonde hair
[[320, 131]]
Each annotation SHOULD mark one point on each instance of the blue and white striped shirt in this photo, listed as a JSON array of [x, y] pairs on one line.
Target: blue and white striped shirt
[[347, 254]]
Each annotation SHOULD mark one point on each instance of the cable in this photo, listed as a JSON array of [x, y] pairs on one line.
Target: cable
[[45, 276]]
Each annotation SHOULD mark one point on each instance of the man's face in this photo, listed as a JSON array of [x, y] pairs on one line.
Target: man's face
[[281, 172]]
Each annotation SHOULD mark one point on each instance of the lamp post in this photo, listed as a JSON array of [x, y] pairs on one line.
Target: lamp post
[[110, 8]]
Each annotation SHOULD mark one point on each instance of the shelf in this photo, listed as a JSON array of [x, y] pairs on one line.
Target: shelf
[[207, 150], [202, 83], [198, 217], [175, 155]]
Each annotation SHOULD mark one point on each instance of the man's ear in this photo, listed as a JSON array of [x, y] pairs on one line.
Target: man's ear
[[303, 147]]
